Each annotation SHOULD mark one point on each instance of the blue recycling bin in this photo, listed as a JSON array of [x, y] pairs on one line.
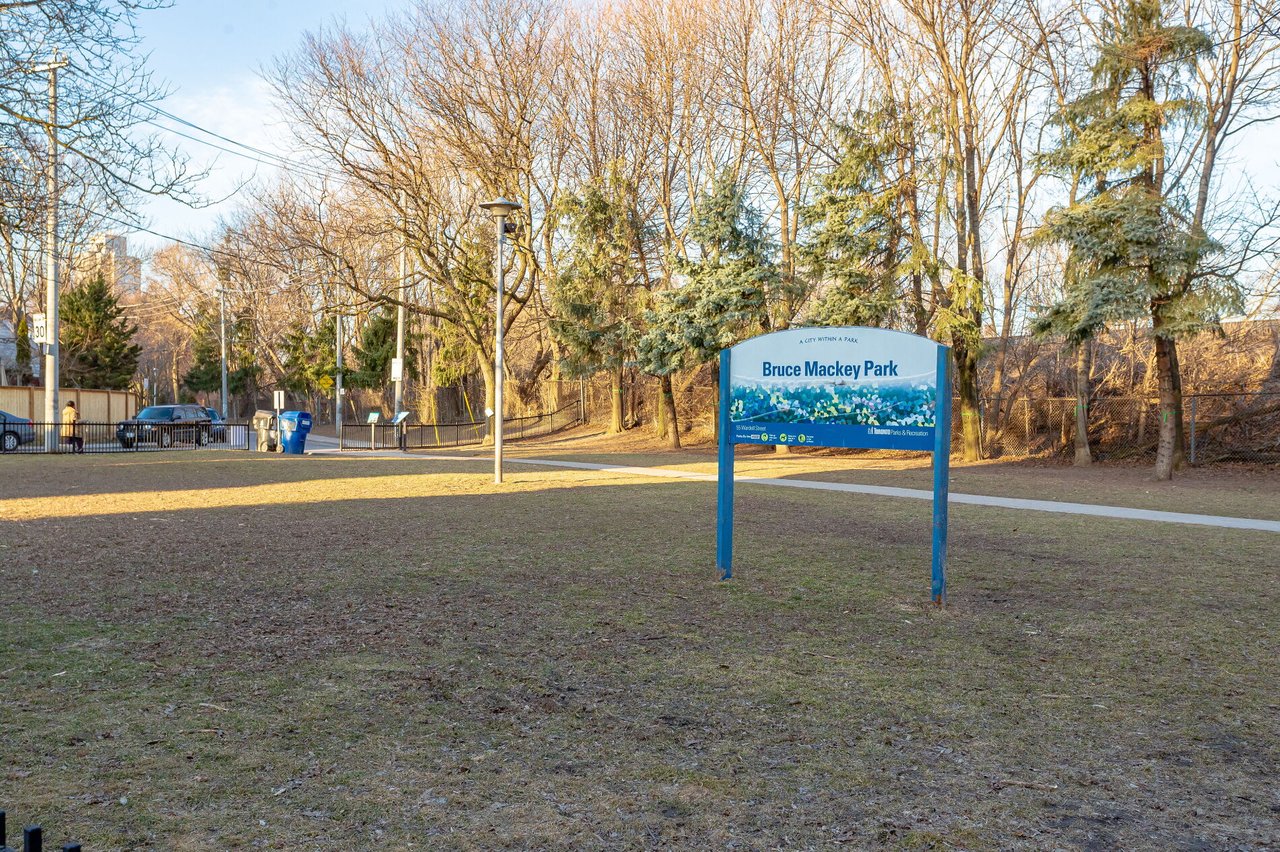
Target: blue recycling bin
[[294, 428]]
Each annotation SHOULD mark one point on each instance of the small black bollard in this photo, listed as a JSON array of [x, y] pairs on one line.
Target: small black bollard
[[3, 836], [71, 847], [32, 839]]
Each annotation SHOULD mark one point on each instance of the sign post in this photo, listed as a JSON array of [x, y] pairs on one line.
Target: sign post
[[724, 484], [277, 402], [941, 476], [399, 421], [847, 387]]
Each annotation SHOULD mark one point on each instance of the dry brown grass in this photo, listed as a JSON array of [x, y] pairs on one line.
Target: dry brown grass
[[222, 651]]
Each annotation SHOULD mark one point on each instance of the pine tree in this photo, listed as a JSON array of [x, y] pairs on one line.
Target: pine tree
[[310, 358], [1132, 253], [205, 373], [597, 302], [96, 338], [727, 291], [858, 245], [376, 349]]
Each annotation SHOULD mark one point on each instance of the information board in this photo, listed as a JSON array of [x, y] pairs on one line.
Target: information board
[[841, 387], [850, 387]]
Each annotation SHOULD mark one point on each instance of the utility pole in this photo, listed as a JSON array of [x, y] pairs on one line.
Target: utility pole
[[397, 370], [222, 310], [500, 209], [337, 379], [51, 352]]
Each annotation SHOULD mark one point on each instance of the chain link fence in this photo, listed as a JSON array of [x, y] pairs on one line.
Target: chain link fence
[[1242, 427]]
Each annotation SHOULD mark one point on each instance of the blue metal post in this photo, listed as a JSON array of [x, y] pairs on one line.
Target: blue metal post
[[724, 492], [941, 475]]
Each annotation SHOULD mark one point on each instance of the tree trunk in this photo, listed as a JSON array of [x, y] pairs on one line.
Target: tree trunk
[[173, 376], [1179, 428], [668, 407], [716, 425], [1166, 447], [1084, 356], [967, 390], [615, 403], [490, 388], [660, 415]]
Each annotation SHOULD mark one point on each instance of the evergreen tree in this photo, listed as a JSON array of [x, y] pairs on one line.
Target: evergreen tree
[[727, 291], [597, 301], [1132, 254], [22, 357], [377, 348], [96, 338], [310, 358], [859, 246], [205, 373]]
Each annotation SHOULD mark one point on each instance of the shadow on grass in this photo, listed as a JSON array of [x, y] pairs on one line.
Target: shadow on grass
[[553, 664], [32, 476]]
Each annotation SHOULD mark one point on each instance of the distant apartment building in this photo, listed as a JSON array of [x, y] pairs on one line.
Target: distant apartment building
[[108, 256]]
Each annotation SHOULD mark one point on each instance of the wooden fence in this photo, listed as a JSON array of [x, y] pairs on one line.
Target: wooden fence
[[103, 406]]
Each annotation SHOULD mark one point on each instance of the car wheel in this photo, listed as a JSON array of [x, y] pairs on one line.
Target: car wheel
[[202, 437], [9, 442], [166, 439], [128, 445]]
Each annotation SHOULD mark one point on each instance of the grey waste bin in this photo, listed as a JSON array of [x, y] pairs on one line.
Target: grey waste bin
[[264, 424], [294, 428]]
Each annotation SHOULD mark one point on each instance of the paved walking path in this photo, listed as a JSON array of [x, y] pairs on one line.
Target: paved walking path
[[1121, 512]]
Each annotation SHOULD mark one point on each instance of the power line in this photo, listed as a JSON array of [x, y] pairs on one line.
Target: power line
[[278, 165], [272, 159]]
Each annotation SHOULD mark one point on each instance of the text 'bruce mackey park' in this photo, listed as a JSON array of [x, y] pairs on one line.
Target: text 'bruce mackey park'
[[818, 370]]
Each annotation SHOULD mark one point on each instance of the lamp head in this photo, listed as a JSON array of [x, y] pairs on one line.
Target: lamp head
[[500, 208]]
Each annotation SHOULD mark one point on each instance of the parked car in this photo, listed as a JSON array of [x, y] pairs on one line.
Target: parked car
[[166, 425], [15, 431], [218, 429]]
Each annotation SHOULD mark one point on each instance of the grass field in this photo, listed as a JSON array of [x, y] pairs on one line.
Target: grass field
[[209, 651]]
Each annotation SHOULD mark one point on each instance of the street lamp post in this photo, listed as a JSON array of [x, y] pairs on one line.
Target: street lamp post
[[222, 313], [500, 208], [398, 367]]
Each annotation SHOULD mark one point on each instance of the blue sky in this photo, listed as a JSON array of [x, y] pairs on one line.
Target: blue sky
[[209, 52]]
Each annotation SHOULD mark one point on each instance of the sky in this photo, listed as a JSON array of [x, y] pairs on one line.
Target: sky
[[210, 53]]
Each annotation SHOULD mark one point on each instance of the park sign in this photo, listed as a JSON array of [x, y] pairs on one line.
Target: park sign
[[854, 388], [835, 387]]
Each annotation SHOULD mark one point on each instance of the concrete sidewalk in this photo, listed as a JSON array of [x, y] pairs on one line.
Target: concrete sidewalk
[[1115, 512]]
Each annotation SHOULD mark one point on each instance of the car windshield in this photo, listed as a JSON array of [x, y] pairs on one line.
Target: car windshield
[[155, 412]]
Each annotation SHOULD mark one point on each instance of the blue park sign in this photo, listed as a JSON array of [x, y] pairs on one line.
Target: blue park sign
[[851, 387]]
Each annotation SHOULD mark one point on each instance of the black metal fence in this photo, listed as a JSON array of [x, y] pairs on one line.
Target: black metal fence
[[1218, 427], [93, 437], [422, 436], [32, 839]]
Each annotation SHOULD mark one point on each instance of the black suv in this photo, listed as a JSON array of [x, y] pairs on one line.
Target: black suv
[[165, 425]]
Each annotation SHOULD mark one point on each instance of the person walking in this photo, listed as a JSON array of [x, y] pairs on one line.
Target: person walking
[[70, 421]]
